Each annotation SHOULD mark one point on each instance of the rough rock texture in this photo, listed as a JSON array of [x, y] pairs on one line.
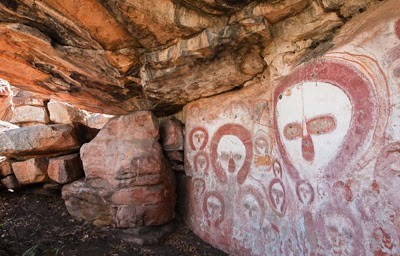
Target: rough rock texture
[[65, 169], [10, 182], [30, 114], [171, 133], [128, 182], [98, 121], [5, 101], [31, 171], [4, 126], [154, 54], [307, 164], [5, 167], [38, 140], [172, 141], [64, 113]]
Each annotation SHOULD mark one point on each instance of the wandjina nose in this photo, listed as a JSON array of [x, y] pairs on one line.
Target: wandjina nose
[[277, 199], [307, 147], [231, 165]]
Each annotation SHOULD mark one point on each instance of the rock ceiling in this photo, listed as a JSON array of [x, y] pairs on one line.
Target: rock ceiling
[[118, 56]]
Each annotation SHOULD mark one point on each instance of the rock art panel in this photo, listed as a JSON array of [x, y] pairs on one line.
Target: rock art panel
[[307, 164], [305, 192], [341, 232]]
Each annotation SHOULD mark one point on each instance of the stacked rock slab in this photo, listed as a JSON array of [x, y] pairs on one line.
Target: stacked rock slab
[[128, 183], [27, 109], [48, 145], [29, 150], [28, 142], [64, 113]]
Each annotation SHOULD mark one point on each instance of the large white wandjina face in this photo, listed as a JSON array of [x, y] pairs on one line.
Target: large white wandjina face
[[313, 119], [231, 153]]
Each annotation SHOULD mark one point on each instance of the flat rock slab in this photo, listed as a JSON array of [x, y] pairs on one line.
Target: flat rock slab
[[30, 114], [38, 140], [64, 113]]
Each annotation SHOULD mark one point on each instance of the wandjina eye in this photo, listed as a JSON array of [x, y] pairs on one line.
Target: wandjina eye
[[237, 157]]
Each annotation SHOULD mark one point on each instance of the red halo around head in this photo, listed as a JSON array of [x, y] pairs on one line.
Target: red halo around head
[[356, 87], [272, 199], [204, 139], [244, 135]]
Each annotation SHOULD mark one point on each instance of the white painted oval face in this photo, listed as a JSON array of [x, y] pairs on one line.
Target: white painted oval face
[[231, 153], [313, 119]]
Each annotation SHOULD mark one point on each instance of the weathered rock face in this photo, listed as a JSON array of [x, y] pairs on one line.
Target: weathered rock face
[[307, 164], [31, 171], [5, 101], [10, 182], [128, 182], [30, 114], [155, 54], [5, 167], [65, 169], [98, 121], [171, 132], [38, 140], [172, 141], [64, 113], [4, 126]]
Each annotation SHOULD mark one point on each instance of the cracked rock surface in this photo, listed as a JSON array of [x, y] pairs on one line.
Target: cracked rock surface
[[118, 56]]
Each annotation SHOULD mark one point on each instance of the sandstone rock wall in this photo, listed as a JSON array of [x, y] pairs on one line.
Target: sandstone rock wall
[[306, 164], [157, 54]]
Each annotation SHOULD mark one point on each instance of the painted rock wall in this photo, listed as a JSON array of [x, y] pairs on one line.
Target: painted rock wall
[[309, 164]]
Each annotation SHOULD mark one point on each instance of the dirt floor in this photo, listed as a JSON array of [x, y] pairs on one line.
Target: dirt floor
[[36, 222]]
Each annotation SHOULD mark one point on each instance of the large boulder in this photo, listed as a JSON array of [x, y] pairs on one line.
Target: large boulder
[[127, 177], [38, 140]]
